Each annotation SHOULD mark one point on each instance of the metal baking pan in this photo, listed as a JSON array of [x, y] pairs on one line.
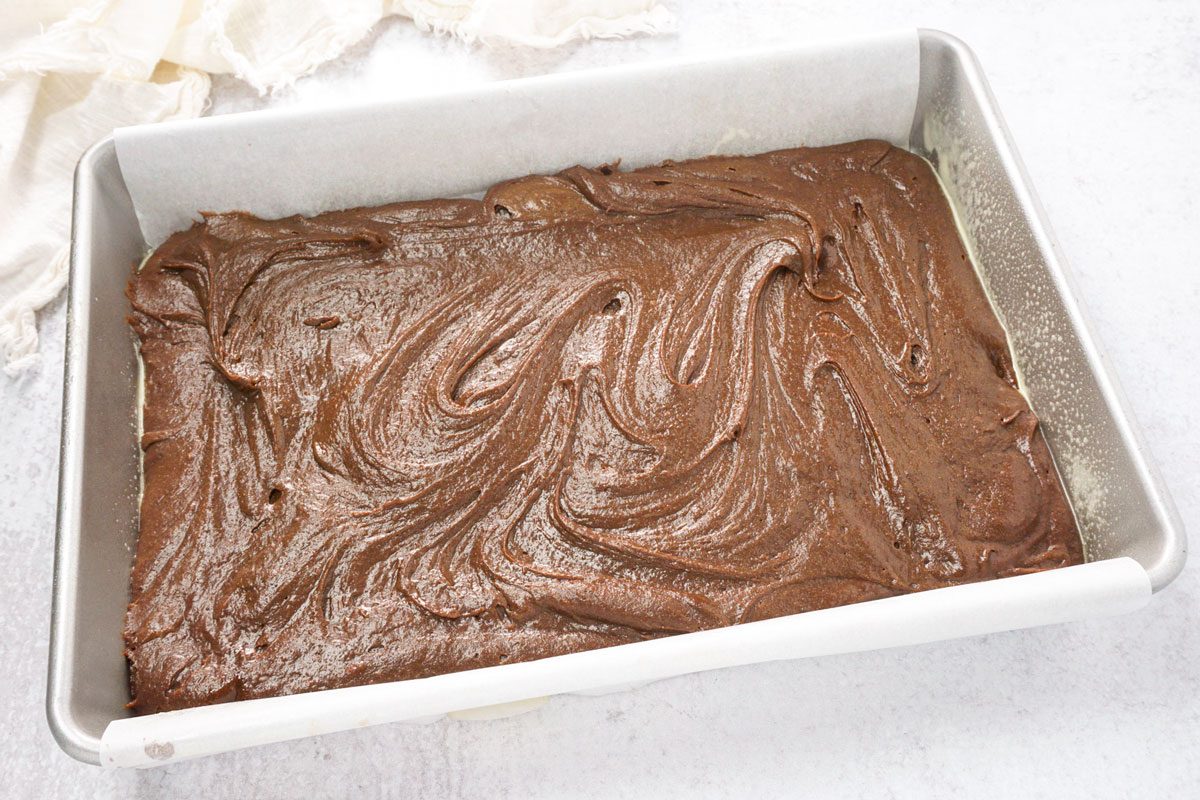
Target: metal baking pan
[[1123, 509]]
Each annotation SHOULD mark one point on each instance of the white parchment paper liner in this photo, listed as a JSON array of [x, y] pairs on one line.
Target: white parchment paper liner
[[278, 163]]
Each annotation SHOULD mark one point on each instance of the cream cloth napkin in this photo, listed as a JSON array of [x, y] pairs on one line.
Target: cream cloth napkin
[[71, 71]]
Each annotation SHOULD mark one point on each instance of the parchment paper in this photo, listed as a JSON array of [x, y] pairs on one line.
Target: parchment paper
[[278, 163]]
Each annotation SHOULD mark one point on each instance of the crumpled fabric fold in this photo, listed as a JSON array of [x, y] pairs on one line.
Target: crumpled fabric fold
[[71, 72]]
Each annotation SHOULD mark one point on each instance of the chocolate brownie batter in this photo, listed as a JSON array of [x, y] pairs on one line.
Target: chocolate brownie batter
[[589, 409]]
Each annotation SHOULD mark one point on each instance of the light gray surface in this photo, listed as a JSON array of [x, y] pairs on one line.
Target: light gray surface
[[1104, 102]]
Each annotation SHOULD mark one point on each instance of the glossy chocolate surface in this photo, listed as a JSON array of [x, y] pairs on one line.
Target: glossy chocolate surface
[[586, 410]]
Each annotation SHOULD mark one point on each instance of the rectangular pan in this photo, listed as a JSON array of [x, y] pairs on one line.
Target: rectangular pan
[[1128, 521]]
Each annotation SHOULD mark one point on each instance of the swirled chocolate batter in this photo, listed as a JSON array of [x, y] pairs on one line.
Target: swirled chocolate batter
[[588, 409]]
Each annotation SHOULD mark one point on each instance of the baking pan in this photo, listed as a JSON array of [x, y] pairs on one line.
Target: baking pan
[[1132, 534]]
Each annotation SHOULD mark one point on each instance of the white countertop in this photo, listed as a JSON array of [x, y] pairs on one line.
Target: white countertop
[[1104, 102]]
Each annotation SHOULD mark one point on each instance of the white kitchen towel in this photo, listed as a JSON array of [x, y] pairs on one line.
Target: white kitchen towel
[[71, 71]]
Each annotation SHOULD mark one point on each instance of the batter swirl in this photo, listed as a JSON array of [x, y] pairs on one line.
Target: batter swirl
[[586, 410]]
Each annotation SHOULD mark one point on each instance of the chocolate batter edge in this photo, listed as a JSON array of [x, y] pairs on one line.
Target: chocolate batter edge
[[968, 244]]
